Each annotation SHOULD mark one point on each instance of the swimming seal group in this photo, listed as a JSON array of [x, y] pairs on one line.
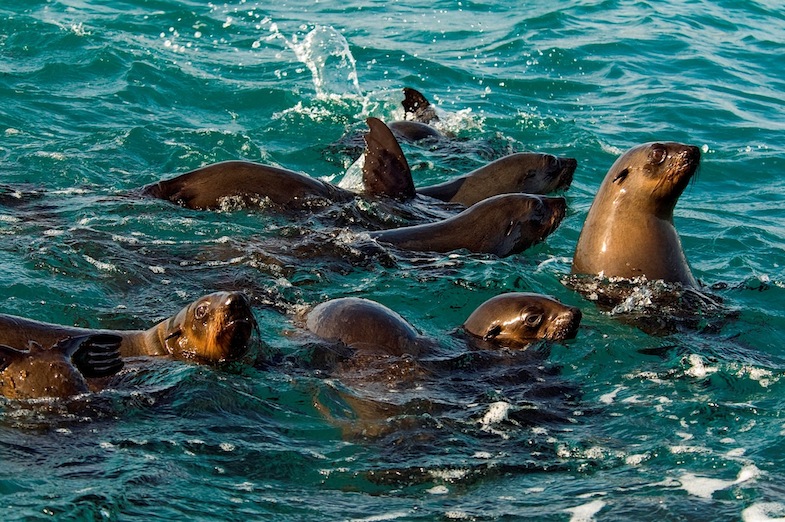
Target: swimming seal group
[[500, 209]]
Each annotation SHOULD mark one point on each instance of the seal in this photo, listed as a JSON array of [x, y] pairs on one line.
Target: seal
[[527, 172], [213, 329], [629, 229], [521, 318], [502, 225], [61, 370], [389, 370], [512, 320], [245, 183]]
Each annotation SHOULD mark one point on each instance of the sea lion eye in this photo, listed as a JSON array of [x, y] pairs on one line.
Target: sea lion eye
[[201, 311], [621, 175], [532, 318], [658, 154]]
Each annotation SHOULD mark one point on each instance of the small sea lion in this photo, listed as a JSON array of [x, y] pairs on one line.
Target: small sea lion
[[213, 329], [512, 320], [629, 229], [527, 172], [61, 370], [501, 225]]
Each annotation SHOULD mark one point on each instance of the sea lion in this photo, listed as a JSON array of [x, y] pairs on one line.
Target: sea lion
[[245, 183], [214, 328], [629, 229], [61, 370], [501, 225], [527, 172], [393, 378], [512, 320]]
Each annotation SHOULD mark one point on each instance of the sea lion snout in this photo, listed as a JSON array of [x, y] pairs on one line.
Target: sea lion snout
[[566, 325]]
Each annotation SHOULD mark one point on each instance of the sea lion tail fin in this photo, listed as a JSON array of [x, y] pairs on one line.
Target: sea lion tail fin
[[96, 355], [417, 107], [385, 171]]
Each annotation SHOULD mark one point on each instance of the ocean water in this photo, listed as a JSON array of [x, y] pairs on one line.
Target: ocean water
[[99, 98]]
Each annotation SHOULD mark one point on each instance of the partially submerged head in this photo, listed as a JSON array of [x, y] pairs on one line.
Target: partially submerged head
[[520, 318], [214, 328]]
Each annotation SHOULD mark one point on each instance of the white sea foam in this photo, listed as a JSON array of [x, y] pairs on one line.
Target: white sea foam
[[705, 487], [764, 512], [586, 512]]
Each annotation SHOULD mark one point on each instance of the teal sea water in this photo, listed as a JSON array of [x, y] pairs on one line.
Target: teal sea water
[[99, 98]]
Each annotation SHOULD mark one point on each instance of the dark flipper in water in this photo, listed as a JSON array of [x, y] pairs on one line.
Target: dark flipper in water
[[94, 355], [386, 171]]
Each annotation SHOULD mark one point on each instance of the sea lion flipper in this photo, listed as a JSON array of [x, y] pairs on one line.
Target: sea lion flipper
[[417, 107], [96, 355], [385, 171]]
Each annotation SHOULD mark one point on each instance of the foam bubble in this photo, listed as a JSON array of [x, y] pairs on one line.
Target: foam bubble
[[763, 511]]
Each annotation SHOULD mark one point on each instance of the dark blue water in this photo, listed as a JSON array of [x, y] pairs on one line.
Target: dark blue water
[[101, 98]]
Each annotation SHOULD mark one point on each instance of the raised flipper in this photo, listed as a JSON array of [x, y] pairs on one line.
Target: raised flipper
[[417, 107], [96, 355], [386, 171]]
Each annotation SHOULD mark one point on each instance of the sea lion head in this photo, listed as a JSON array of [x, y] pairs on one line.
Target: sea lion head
[[530, 219], [214, 328], [652, 176], [518, 318], [545, 173]]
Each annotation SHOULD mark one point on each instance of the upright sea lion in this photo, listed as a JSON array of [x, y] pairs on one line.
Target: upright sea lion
[[58, 371], [512, 320], [501, 225], [629, 229], [212, 329], [527, 172]]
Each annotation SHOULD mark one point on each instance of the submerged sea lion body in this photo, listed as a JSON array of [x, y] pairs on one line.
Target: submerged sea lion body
[[501, 225], [59, 371], [629, 229], [246, 182], [212, 329]]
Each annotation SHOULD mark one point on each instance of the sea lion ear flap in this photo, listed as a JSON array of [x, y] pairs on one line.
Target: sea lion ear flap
[[621, 175], [95, 355], [8, 355], [385, 171], [492, 333]]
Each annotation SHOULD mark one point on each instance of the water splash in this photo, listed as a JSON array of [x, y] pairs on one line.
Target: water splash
[[327, 55]]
